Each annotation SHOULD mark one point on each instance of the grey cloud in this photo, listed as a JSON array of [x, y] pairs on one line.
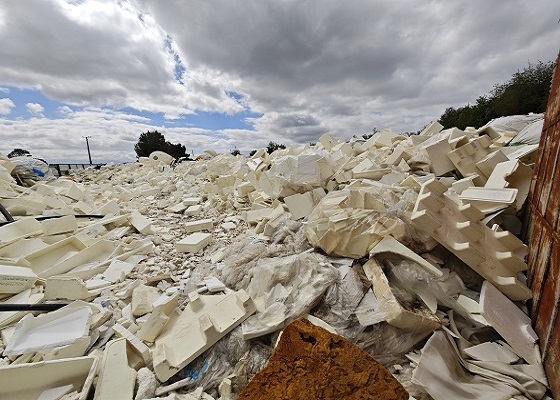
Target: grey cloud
[[319, 57]]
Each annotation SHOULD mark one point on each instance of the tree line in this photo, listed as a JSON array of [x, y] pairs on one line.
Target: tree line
[[525, 92]]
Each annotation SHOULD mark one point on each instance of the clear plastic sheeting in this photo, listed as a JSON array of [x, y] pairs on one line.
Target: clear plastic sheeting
[[341, 300], [531, 134], [389, 344], [232, 355], [512, 123], [286, 288]]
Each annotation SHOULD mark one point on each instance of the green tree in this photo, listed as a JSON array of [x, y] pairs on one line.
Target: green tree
[[235, 152], [252, 153], [527, 91], [272, 146], [17, 152], [153, 140]]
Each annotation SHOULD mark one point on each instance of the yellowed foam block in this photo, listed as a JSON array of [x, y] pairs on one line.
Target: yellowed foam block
[[177, 208], [193, 210], [22, 228], [199, 225], [116, 379], [300, 205], [141, 223], [194, 242], [54, 226]]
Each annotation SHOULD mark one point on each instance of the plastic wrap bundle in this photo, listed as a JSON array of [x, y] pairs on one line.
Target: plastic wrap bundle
[[348, 223], [231, 355], [30, 168], [285, 289]]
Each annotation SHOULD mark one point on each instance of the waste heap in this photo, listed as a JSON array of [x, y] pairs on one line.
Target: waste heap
[[144, 280]]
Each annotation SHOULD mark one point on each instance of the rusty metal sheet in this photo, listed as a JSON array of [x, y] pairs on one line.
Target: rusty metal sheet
[[548, 302], [552, 360], [543, 238]]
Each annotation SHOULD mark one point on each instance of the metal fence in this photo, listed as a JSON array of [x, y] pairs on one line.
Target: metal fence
[[64, 169]]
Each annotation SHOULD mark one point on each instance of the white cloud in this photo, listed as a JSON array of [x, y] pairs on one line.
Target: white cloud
[[4, 90], [65, 111], [100, 53], [35, 109], [113, 135], [6, 106]]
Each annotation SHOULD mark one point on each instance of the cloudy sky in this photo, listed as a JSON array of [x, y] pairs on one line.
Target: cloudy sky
[[227, 74]]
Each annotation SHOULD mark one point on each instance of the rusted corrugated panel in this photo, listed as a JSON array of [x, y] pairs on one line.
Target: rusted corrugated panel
[[544, 238]]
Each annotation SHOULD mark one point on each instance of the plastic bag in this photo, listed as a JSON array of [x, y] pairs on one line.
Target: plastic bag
[[30, 168]]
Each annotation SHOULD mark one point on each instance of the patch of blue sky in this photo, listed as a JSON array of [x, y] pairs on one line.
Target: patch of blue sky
[[204, 120], [212, 121], [21, 97]]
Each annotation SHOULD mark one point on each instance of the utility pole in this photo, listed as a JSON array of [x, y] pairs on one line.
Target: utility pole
[[87, 144]]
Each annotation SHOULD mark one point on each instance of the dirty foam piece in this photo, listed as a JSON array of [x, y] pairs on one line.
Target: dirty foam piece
[[41, 376], [54, 329], [390, 247], [328, 367], [389, 307], [204, 321], [16, 279], [510, 322]]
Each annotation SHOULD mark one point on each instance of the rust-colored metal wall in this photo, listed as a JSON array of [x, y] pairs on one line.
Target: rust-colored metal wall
[[543, 236]]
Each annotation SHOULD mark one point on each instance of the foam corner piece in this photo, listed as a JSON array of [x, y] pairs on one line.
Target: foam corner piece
[[512, 174], [510, 322], [204, 321], [431, 129], [158, 318], [31, 380], [116, 379], [390, 246], [66, 287], [141, 223], [496, 255], [394, 313]]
